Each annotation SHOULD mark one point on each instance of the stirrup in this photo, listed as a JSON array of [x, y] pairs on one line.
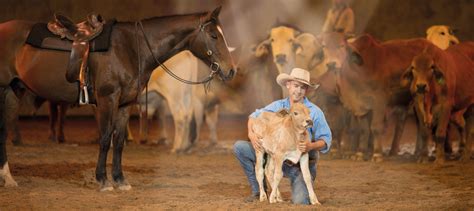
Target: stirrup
[[83, 96]]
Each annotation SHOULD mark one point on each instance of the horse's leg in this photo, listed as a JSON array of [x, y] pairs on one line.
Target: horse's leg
[[106, 113], [53, 118], [62, 108], [12, 104], [118, 141], [5, 170]]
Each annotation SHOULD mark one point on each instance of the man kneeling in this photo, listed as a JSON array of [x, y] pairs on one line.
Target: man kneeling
[[297, 84]]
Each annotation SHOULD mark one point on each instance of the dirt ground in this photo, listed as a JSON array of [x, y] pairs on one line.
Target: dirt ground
[[61, 176]]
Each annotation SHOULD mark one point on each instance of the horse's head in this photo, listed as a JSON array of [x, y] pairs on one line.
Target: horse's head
[[209, 45]]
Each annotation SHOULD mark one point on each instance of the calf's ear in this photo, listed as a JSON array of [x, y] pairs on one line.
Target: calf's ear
[[407, 77], [439, 75]]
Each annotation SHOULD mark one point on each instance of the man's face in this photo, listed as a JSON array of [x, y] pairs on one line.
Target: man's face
[[296, 90]]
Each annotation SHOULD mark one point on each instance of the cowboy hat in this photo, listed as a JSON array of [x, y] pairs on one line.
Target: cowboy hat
[[297, 74]]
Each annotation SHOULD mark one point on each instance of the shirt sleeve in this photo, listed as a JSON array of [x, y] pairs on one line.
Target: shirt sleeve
[[272, 107], [321, 130]]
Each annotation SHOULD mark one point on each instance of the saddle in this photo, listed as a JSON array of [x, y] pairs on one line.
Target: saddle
[[80, 34]]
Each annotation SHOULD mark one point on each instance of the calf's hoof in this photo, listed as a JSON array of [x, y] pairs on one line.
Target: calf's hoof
[[263, 197]]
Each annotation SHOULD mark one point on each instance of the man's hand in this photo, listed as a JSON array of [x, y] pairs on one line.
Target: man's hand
[[304, 146]]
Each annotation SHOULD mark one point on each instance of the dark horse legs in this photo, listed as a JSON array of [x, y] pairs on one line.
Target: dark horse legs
[[119, 137], [113, 126]]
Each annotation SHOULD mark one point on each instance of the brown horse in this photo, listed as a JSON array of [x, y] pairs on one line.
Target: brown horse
[[114, 74]]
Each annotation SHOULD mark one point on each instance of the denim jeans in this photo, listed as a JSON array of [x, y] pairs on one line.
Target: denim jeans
[[245, 153]]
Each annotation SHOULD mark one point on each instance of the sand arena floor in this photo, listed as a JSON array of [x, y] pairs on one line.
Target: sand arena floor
[[61, 176]]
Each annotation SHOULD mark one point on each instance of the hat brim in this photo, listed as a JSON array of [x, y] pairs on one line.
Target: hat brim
[[283, 78]]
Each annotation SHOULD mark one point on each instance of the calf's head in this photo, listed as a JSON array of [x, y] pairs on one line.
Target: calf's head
[[300, 117]]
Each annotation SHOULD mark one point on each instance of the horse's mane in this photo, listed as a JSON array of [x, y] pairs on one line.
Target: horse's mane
[[167, 16]]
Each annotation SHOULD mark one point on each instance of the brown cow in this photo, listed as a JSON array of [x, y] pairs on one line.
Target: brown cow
[[441, 81], [367, 79]]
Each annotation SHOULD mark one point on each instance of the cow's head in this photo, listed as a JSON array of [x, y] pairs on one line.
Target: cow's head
[[281, 45], [335, 51], [442, 36], [422, 75], [300, 116]]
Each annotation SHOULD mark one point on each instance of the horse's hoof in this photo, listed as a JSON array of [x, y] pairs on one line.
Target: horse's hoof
[[106, 186], [125, 187], [377, 158]]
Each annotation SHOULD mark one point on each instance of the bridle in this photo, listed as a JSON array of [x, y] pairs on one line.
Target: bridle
[[214, 66]]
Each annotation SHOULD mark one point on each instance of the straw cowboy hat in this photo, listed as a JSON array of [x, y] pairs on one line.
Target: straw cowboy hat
[[297, 74]]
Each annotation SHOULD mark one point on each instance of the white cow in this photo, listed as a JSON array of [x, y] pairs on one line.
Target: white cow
[[442, 36], [280, 45], [179, 96]]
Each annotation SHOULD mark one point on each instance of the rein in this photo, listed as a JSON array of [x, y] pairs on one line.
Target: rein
[[213, 66]]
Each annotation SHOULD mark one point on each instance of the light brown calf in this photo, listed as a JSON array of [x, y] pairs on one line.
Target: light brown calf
[[280, 136]]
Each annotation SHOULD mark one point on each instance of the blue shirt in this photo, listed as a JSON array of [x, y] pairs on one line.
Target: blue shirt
[[320, 129]]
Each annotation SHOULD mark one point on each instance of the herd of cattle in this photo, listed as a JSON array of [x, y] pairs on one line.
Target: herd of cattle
[[361, 80]]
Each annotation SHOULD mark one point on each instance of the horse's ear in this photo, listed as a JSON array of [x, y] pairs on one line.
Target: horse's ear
[[216, 12]]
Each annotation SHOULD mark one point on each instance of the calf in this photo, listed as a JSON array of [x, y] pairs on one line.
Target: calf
[[280, 138]]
